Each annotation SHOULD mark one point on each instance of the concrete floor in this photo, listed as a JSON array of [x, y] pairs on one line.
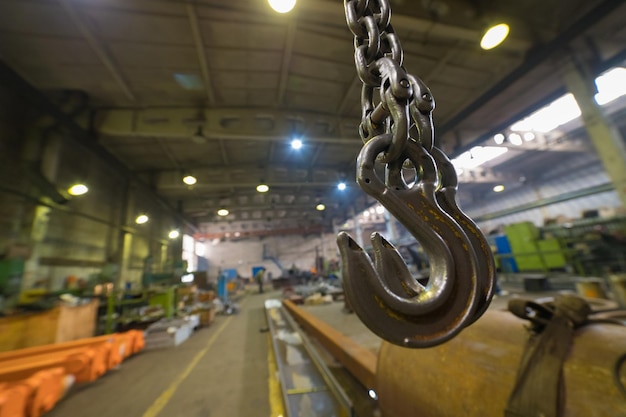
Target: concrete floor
[[220, 371]]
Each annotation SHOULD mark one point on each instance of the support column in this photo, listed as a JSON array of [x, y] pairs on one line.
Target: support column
[[605, 137], [125, 238], [49, 152]]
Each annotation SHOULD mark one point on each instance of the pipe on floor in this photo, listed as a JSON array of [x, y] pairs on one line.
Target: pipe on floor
[[474, 373]]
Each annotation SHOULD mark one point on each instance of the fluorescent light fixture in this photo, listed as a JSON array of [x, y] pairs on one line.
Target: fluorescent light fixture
[[498, 188], [320, 207], [498, 138], [380, 209], [262, 188], [611, 85], [187, 278], [562, 110], [366, 213], [78, 189], [222, 212], [341, 186], [477, 156], [296, 144], [190, 179], [515, 139], [142, 219], [528, 136], [282, 6], [494, 36], [174, 234]]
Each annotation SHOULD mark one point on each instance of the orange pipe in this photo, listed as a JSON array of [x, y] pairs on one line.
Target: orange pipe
[[86, 364], [13, 400], [47, 388]]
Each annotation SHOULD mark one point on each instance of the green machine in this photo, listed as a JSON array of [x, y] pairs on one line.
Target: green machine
[[531, 252], [11, 272]]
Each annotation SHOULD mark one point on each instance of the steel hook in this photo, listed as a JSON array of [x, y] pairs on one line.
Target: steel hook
[[385, 296], [446, 197]]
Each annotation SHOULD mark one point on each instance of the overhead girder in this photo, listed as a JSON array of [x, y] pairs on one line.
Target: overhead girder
[[226, 123]]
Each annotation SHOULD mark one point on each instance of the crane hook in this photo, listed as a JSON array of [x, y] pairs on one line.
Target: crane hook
[[385, 296]]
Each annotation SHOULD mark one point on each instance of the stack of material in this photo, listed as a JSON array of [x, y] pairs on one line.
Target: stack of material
[[34, 379], [205, 308], [170, 332]]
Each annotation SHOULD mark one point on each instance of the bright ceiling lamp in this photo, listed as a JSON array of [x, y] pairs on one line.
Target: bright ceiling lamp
[[341, 186], [282, 6], [498, 188], [494, 36], [222, 212], [174, 234], [320, 207], [498, 138], [515, 139], [190, 179], [142, 219], [296, 144], [262, 188], [78, 189]]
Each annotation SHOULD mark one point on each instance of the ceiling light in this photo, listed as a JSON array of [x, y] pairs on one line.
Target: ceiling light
[[282, 6], [498, 139], [142, 218], [515, 139], [320, 207], [190, 179], [372, 394], [262, 188], [174, 234], [528, 136], [296, 144], [366, 213], [380, 209], [222, 212], [198, 137], [77, 189], [498, 188], [341, 186], [494, 36]]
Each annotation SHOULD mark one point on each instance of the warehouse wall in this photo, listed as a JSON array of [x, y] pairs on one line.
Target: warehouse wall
[[80, 236], [574, 174], [298, 250]]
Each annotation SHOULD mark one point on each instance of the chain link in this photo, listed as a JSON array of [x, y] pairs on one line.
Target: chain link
[[404, 99]]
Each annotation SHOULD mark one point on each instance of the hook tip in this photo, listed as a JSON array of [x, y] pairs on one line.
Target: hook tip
[[345, 241]]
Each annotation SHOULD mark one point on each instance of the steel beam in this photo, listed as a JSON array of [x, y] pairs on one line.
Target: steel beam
[[200, 50], [98, 48]]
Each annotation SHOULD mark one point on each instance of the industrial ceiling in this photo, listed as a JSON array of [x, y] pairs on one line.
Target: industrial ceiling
[[217, 89]]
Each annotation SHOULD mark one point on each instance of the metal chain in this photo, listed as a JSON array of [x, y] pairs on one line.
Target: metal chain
[[398, 124], [404, 99]]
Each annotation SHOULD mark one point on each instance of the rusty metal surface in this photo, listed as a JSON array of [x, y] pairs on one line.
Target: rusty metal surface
[[473, 374]]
